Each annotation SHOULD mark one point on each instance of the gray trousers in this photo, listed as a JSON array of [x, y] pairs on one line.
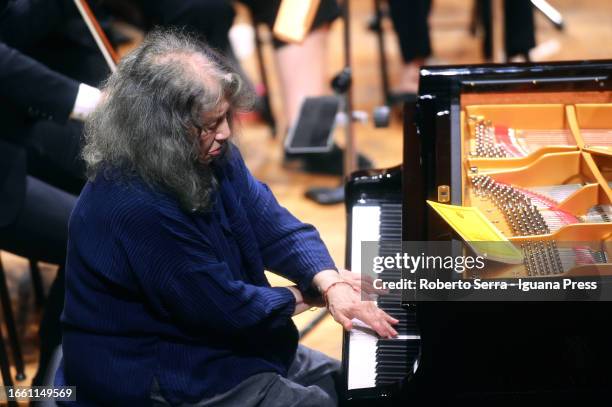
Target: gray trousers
[[311, 382]]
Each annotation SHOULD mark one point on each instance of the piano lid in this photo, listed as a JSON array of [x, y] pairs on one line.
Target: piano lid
[[440, 81]]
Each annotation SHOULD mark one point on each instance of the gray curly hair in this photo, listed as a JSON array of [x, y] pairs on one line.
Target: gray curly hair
[[147, 122]]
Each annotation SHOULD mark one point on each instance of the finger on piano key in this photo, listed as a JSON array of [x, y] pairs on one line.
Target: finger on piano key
[[391, 320]]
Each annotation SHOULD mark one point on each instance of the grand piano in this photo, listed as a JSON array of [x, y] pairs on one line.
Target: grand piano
[[542, 134]]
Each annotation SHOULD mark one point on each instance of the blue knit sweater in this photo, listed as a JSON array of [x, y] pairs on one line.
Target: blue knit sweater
[[154, 292]]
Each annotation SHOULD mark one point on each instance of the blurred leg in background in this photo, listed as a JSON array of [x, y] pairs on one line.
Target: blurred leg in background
[[303, 72], [210, 20], [302, 68], [411, 24], [519, 28]]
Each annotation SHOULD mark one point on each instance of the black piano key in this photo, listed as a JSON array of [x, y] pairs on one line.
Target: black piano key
[[397, 344], [403, 329], [392, 307], [401, 353], [389, 367], [399, 314], [388, 372], [384, 352], [388, 382], [383, 348], [394, 342], [392, 359], [389, 379], [400, 371], [392, 375], [390, 351]]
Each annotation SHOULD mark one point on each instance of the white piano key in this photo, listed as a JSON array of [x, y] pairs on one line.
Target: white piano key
[[362, 350], [365, 228], [362, 360]]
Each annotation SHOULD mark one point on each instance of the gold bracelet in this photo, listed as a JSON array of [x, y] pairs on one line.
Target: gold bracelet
[[333, 284]]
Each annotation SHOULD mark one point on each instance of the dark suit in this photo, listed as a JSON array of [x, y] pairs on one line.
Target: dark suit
[[32, 98], [12, 182], [45, 52]]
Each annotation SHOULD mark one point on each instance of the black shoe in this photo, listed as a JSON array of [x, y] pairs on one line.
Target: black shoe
[[326, 196], [396, 98], [331, 163]]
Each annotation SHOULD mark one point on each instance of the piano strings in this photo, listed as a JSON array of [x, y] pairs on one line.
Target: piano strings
[[495, 141], [597, 137], [533, 211]]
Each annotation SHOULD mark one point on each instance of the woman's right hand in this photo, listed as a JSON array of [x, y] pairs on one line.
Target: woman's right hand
[[345, 303]]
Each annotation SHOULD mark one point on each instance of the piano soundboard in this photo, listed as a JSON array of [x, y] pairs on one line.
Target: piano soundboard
[[542, 174]]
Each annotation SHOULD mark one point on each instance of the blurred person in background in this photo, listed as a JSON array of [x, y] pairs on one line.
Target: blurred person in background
[[519, 29], [302, 68], [411, 24]]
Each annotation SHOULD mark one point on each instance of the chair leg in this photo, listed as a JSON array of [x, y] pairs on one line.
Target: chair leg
[[39, 292], [4, 365], [5, 369], [10, 326], [382, 54], [267, 113]]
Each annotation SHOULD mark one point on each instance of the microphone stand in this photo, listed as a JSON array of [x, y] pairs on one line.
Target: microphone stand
[[342, 84]]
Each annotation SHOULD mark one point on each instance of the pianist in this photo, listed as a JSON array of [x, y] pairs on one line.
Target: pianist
[[167, 302]]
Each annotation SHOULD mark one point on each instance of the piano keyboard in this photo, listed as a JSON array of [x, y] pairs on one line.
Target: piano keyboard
[[374, 362]]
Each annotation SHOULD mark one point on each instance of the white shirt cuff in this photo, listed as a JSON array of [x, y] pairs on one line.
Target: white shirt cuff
[[86, 101]]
